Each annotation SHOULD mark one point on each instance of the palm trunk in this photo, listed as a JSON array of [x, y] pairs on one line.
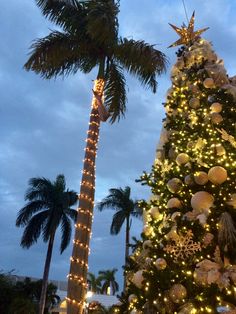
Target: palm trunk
[[45, 275], [77, 278], [126, 246]]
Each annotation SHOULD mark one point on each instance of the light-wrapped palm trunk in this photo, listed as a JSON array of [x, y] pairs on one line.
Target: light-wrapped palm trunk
[[77, 278]]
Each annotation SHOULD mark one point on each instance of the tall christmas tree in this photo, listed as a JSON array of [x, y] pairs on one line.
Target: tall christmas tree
[[186, 261]]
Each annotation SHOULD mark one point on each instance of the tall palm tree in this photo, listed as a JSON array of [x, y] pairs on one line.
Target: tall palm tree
[[48, 207], [119, 199], [94, 283], [107, 277], [89, 39]]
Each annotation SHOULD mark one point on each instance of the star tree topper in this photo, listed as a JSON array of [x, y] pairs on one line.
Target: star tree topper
[[187, 34]]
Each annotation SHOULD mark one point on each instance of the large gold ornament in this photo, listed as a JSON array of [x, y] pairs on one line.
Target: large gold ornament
[[177, 293], [187, 34], [160, 263]]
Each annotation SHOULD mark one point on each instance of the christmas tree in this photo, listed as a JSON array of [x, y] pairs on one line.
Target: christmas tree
[[186, 261]]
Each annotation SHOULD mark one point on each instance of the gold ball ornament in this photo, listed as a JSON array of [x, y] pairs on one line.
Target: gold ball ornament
[[154, 212], [216, 118], [160, 263], [147, 230], [174, 202], [217, 175], [201, 177], [138, 279], [194, 89], [208, 83], [216, 107], [220, 150], [147, 244], [182, 159], [188, 180], [174, 185], [202, 200], [132, 298], [190, 145], [194, 103], [177, 293]]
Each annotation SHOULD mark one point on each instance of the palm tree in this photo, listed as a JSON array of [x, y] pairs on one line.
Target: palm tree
[[89, 39], [94, 283], [107, 277], [119, 199], [49, 206]]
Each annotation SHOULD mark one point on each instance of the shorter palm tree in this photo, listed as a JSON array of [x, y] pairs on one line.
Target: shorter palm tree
[[107, 277], [94, 283], [49, 206], [119, 199]]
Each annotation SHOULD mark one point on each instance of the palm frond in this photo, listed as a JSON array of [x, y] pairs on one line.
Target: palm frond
[[117, 199], [102, 23], [137, 211], [117, 222], [39, 188], [28, 210], [61, 54], [115, 287], [108, 203], [69, 14], [72, 213], [33, 229], [114, 92], [65, 232], [72, 196], [141, 60], [60, 183]]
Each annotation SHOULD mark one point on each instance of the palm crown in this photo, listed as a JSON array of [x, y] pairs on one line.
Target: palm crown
[[89, 39], [107, 277], [48, 207], [120, 200]]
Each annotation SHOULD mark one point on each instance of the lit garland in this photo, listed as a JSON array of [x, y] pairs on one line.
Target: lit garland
[[77, 278]]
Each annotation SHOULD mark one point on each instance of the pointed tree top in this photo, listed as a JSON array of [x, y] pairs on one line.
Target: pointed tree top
[[187, 34]]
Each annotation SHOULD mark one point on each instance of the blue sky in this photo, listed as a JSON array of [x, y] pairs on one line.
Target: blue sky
[[43, 123]]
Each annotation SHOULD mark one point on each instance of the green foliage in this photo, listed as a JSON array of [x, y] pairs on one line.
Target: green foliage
[[22, 297]]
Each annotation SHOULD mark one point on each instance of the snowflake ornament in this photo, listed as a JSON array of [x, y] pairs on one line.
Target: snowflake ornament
[[165, 167], [184, 247]]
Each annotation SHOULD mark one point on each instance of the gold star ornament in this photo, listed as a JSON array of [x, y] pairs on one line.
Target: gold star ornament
[[187, 34]]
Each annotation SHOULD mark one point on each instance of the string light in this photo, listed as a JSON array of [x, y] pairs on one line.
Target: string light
[[86, 203]]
